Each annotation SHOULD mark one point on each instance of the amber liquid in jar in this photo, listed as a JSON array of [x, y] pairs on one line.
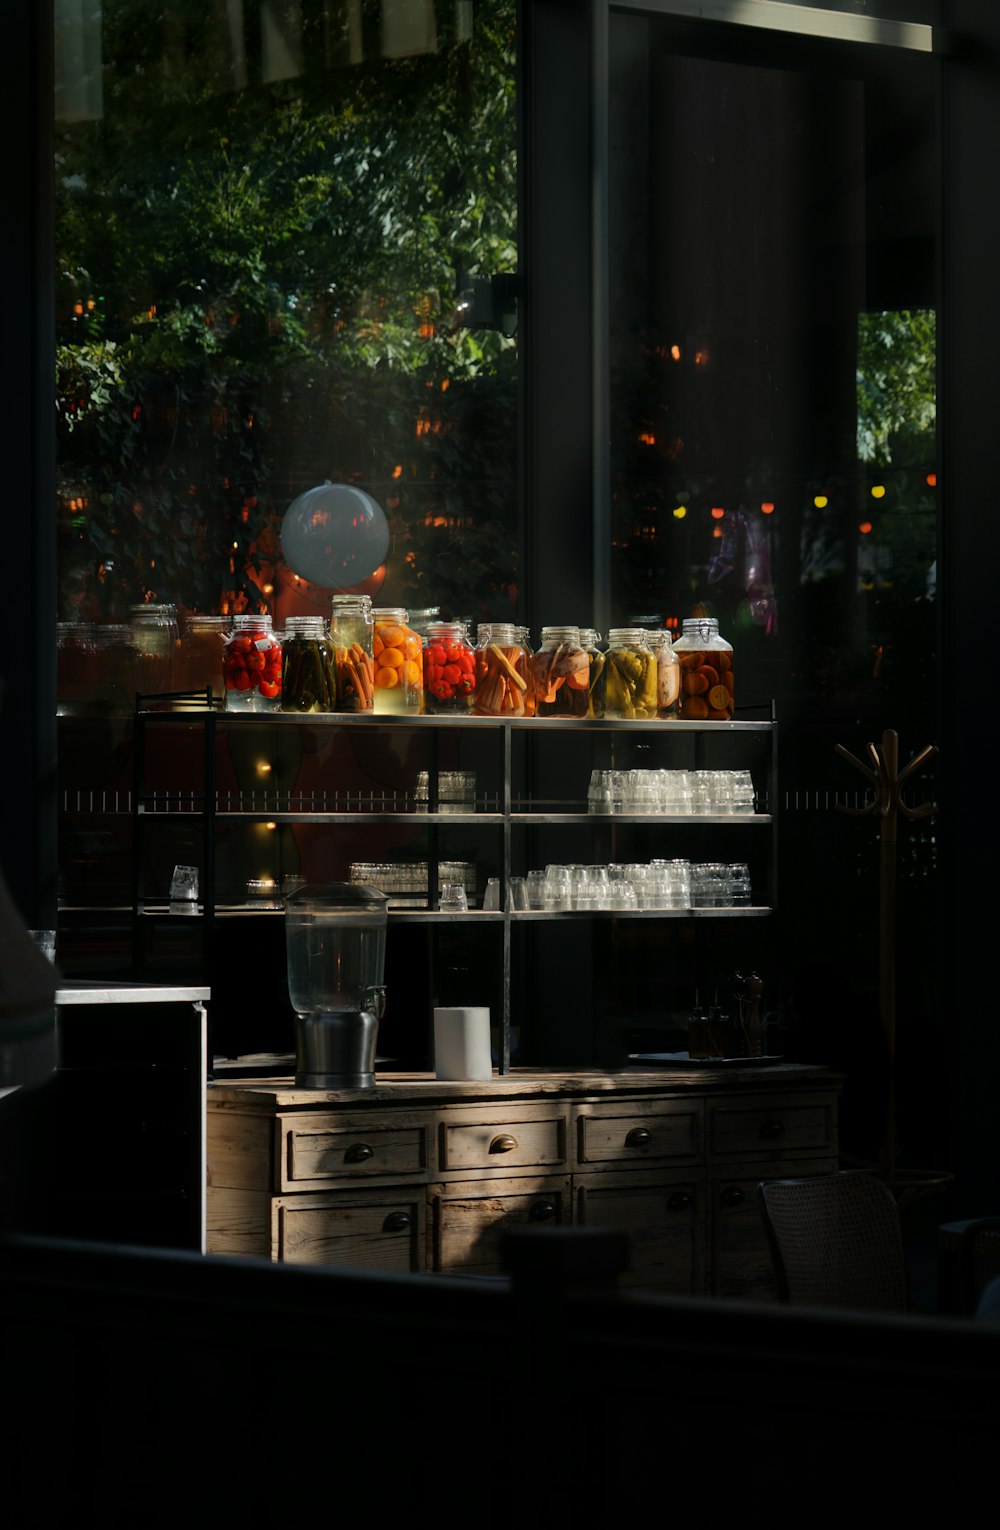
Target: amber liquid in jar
[[707, 677], [352, 628], [560, 673]]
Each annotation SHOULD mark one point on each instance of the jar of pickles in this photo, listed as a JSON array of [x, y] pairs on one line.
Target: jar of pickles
[[308, 674], [251, 665], [399, 662], [630, 675], [560, 673], [352, 628], [668, 673], [706, 662], [449, 669], [591, 640], [502, 672]]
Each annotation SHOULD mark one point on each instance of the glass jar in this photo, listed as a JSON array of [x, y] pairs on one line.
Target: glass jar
[[502, 672], [630, 675], [352, 628], [560, 673], [154, 638], [399, 662], [449, 669], [308, 672], [668, 673], [706, 662], [591, 641], [251, 666], [112, 641], [198, 660], [76, 666]]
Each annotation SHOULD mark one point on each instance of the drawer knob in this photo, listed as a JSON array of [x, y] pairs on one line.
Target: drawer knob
[[771, 1129], [396, 1221], [732, 1196], [679, 1201], [638, 1137], [542, 1211], [358, 1152], [505, 1143]]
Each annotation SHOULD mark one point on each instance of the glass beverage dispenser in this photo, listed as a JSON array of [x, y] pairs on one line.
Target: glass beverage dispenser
[[335, 940]]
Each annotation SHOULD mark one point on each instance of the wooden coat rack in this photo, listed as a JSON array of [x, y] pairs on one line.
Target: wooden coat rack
[[888, 781]]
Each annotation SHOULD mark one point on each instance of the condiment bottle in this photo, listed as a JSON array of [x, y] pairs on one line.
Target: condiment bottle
[[399, 662], [251, 665], [630, 675], [560, 674], [502, 671], [352, 629], [591, 641], [449, 669], [308, 670], [706, 661]]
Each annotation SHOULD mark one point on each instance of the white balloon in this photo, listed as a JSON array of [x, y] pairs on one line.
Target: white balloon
[[334, 535]]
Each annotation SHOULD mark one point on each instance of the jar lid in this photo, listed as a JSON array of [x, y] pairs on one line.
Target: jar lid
[[311, 626], [252, 622], [561, 634], [637, 635], [709, 623], [391, 614]]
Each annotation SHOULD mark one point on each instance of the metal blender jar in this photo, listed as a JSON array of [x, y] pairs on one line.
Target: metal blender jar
[[335, 942]]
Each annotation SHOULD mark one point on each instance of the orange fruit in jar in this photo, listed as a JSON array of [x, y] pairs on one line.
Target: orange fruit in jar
[[377, 644], [385, 679], [390, 634], [694, 709], [695, 683], [718, 697], [391, 658], [724, 660], [411, 672], [412, 646], [727, 676], [718, 716], [711, 675], [689, 660]]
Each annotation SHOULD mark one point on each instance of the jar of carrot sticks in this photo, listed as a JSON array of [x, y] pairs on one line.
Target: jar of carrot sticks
[[352, 628], [502, 673]]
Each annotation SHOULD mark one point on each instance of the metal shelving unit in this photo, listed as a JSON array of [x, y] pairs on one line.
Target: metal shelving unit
[[502, 812]]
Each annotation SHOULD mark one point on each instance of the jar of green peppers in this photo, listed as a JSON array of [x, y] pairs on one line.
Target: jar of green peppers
[[309, 676], [630, 675]]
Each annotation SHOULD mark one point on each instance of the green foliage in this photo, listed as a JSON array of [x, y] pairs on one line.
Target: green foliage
[[256, 292], [896, 386]]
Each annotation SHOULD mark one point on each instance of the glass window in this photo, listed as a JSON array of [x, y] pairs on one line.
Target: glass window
[[773, 440], [267, 214]]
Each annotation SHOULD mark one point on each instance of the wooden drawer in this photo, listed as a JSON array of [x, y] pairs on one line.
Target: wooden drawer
[[626, 1133], [664, 1217], [378, 1231], [497, 1139], [467, 1218], [765, 1125], [314, 1150], [740, 1258]]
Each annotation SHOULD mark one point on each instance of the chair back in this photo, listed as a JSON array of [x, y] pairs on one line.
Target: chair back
[[979, 1262], [836, 1241]]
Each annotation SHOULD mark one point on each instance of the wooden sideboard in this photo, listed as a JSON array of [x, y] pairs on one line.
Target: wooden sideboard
[[420, 1175]]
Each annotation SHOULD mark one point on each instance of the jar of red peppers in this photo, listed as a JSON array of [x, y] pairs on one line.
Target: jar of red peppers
[[399, 669], [352, 628], [706, 662], [449, 669], [560, 672], [502, 672], [251, 666]]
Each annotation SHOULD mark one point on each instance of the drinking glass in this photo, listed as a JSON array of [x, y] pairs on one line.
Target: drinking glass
[[453, 899]]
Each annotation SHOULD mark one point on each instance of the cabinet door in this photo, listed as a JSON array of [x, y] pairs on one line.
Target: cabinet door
[[384, 1230], [664, 1218], [468, 1216]]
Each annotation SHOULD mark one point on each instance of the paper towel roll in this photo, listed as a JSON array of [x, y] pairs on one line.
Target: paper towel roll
[[462, 1043]]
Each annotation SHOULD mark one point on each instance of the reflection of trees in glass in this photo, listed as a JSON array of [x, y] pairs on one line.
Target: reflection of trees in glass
[[896, 386], [256, 292]]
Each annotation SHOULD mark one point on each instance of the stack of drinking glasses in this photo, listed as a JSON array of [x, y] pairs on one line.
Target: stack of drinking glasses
[[637, 885], [670, 792]]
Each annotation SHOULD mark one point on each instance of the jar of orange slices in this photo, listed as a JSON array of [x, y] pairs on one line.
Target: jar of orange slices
[[399, 665], [707, 677]]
